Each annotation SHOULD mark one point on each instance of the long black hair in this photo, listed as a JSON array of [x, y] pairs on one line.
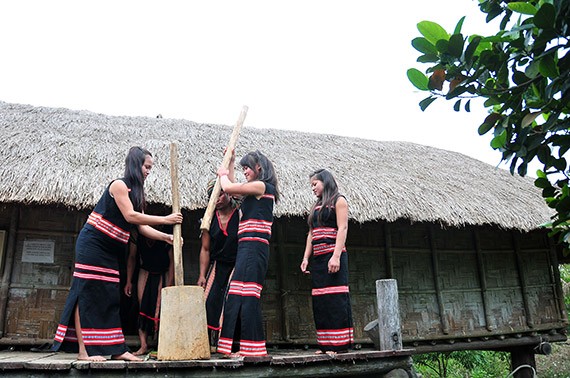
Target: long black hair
[[266, 173], [134, 176], [328, 197]]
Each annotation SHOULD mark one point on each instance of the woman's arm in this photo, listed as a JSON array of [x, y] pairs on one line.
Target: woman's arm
[[120, 193], [131, 262], [341, 209], [153, 233], [170, 276], [308, 251], [252, 188], [204, 259]]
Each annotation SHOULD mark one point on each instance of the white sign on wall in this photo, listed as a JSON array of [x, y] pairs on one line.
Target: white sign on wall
[[38, 251]]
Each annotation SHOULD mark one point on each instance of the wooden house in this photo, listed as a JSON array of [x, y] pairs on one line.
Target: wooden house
[[462, 238]]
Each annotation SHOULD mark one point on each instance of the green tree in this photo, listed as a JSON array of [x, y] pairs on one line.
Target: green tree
[[523, 74]]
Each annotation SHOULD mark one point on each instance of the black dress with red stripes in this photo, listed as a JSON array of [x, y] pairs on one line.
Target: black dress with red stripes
[[154, 259], [243, 324], [95, 287], [331, 300], [223, 249]]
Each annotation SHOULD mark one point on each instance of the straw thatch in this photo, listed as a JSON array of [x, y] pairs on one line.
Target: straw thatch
[[61, 156]]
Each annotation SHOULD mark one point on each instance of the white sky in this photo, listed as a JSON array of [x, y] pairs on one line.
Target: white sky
[[326, 66]]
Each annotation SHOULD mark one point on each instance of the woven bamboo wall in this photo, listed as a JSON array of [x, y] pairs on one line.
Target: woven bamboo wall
[[453, 283]]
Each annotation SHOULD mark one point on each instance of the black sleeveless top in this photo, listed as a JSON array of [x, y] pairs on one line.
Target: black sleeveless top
[[223, 242], [108, 219]]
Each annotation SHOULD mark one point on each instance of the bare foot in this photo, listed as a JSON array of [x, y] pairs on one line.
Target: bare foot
[[330, 353], [234, 355], [141, 351], [85, 357], [127, 356]]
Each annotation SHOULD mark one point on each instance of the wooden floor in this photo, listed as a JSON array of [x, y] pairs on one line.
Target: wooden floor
[[280, 363]]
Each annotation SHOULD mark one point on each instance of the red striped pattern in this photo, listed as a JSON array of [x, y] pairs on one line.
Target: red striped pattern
[[254, 239], [320, 233], [96, 268], [245, 289], [255, 225], [324, 248], [96, 220], [63, 333], [90, 272], [335, 337], [330, 290], [270, 196], [225, 345], [108, 336], [252, 348]]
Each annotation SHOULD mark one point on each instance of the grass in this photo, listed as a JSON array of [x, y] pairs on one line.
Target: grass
[[556, 364]]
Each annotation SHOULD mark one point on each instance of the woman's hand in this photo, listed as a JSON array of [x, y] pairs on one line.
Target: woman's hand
[[304, 265], [128, 289], [223, 171], [201, 281], [334, 264], [170, 239], [174, 218]]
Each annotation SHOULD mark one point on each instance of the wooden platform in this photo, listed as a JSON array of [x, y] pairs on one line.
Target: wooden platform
[[280, 363]]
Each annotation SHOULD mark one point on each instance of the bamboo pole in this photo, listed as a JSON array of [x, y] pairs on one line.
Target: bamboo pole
[[207, 219]]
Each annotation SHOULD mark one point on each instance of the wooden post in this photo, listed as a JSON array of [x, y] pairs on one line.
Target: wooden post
[[177, 231], [390, 336], [489, 321], [8, 266], [183, 325], [438, 293]]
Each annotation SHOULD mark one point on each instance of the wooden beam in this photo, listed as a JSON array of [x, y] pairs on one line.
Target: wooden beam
[[482, 280], [8, 266], [522, 279], [435, 268]]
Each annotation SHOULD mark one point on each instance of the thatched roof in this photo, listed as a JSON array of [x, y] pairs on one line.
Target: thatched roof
[[61, 156]]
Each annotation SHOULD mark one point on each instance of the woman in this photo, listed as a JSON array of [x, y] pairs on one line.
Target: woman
[[90, 322], [217, 259], [328, 228], [156, 270], [243, 323]]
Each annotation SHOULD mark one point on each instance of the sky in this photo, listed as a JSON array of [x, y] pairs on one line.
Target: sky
[[323, 66]]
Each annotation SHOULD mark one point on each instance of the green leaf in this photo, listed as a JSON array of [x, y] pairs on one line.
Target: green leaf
[[457, 106], [471, 48], [459, 25], [547, 67], [442, 46], [529, 118], [499, 141], [542, 182], [522, 7], [428, 58], [545, 16], [426, 102], [418, 79], [519, 78], [455, 47], [532, 69], [423, 45], [468, 106], [432, 32]]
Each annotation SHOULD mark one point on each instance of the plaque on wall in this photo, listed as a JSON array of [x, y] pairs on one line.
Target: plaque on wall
[[38, 251]]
